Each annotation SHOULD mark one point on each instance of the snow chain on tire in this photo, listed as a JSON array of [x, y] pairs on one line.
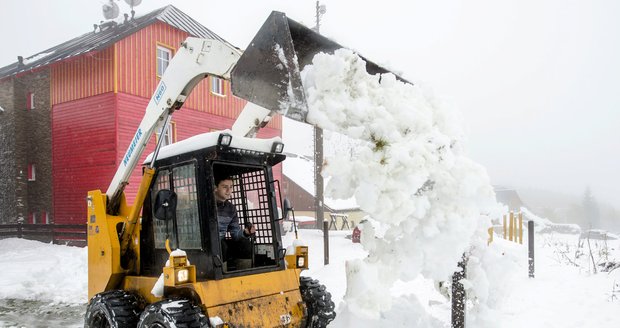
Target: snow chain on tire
[[173, 313], [114, 309], [318, 301]]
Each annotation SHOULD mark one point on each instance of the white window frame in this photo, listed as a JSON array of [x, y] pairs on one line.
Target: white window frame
[[31, 95], [168, 136], [216, 86], [162, 63], [32, 172]]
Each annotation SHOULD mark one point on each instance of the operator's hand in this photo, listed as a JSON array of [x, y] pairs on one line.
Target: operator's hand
[[249, 229]]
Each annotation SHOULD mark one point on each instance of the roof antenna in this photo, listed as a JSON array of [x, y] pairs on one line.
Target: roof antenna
[[133, 3], [110, 10]]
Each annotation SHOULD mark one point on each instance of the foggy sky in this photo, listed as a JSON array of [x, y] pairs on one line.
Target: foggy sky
[[537, 82]]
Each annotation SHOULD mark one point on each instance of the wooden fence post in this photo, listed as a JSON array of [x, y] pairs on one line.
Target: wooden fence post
[[520, 228], [511, 231]]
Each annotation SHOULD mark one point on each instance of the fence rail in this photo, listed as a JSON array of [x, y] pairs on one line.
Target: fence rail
[[65, 234]]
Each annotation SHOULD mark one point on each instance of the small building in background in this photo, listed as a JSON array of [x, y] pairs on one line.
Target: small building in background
[[508, 197], [299, 187]]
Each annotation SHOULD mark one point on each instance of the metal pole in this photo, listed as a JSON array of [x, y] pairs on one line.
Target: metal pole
[[318, 154], [458, 295], [325, 243], [318, 16], [530, 246]]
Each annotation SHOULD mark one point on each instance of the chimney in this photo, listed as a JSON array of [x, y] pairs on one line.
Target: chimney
[[20, 61]]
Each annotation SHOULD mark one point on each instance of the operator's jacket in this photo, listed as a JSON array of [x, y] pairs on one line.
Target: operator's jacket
[[228, 221]]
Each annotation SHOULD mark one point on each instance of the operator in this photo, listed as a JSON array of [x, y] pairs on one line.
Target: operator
[[239, 247]]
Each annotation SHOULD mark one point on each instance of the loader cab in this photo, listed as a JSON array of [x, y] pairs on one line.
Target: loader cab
[[189, 169]]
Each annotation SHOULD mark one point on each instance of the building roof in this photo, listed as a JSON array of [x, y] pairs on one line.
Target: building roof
[[300, 170], [104, 36], [508, 197]]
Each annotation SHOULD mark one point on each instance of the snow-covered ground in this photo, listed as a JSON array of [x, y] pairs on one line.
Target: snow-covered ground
[[44, 285]]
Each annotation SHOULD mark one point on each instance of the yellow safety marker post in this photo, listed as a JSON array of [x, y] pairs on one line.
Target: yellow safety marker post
[[520, 228], [511, 226], [490, 236]]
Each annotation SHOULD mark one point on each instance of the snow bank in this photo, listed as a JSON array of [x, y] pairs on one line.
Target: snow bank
[[32, 270], [412, 177]]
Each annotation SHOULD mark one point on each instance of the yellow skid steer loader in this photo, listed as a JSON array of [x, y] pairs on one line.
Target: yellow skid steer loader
[[134, 277]]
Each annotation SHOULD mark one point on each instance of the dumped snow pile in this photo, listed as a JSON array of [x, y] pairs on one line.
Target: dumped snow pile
[[32, 270], [411, 177]]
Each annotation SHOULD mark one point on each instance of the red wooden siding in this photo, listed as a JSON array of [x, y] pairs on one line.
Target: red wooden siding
[[83, 152], [87, 75], [137, 72]]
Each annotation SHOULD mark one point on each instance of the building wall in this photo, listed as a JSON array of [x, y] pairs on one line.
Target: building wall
[[299, 198], [88, 75], [8, 168], [84, 152], [26, 141]]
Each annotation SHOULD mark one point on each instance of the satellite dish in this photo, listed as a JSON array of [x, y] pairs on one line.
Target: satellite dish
[[133, 3], [110, 10]]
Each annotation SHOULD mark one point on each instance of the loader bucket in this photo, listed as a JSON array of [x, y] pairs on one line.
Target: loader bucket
[[268, 72]]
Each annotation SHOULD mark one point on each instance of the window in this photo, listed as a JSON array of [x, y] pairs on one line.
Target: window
[[163, 59], [45, 217], [217, 85], [30, 100], [170, 136], [32, 218], [188, 225], [162, 229], [255, 204], [185, 232], [32, 172]]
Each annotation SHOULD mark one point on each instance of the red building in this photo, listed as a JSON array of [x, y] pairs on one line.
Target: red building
[[90, 94]]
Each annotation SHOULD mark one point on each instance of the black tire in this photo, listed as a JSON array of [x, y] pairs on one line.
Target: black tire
[[179, 313], [318, 301], [112, 309]]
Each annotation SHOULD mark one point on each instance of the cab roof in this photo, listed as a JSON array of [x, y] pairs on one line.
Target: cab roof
[[210, 139]]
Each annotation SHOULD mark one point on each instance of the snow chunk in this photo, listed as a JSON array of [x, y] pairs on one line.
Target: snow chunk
[[409, 174]]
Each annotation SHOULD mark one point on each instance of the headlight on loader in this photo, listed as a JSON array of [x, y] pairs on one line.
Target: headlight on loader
[[182, 275], [301, 261]]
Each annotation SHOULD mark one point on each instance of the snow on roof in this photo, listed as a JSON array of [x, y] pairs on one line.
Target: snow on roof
[[34, 58], [209, 139], [301, 171]]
